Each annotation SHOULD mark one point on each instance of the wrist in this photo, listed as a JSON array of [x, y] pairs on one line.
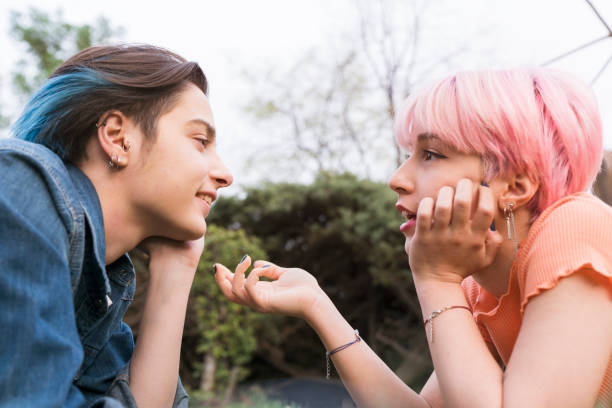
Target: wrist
[[435, 294], [436, 276], [169, 283], [322, 310]]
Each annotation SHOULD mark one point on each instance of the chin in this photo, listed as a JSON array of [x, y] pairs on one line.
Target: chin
[[191, 231], [407, 244]]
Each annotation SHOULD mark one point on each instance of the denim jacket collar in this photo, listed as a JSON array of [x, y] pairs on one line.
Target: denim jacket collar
[[93, 212]]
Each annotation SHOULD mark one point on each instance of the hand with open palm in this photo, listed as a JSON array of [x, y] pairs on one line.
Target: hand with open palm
[[290, 291]]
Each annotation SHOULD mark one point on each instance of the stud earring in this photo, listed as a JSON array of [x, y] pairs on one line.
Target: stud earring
[[510, 225]]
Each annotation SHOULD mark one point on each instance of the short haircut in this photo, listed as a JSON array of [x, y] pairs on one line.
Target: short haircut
[[538, 122], [141, 81]]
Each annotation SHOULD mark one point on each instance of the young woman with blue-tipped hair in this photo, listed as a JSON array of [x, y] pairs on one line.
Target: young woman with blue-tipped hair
[[116, 150]]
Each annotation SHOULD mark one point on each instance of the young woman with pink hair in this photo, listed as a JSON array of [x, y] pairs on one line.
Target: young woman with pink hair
[[509, 253]]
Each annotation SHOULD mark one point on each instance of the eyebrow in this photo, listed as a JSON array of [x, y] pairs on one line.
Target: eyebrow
[[432, 137], [425, 137], [210, 130]]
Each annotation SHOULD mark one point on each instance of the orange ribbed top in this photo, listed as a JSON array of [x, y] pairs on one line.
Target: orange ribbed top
[[574, 233]]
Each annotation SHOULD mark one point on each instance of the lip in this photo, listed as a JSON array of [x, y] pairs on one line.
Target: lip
[[409, 215], [212, 195], [407, 225]]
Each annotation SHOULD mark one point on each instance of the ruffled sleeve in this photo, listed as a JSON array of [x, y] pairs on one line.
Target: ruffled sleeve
[[471, 290]]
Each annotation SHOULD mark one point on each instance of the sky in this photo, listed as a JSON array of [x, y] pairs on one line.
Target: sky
[[231, 36]]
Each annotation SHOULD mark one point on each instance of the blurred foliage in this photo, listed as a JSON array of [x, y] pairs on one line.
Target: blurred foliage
[[214, 325], [252, 399], [224, 331], [48, 41], [344, 231]]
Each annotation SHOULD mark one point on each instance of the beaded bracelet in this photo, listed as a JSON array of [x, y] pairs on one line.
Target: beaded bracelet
[[337, 349], [435, 314]]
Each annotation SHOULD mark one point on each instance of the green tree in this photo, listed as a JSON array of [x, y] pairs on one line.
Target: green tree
[[224, 332], [220, 337], [48, 40], [344, 231]]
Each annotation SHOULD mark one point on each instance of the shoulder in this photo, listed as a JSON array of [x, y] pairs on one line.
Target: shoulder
[[35, 184], [31, 152], [574, 221], [573, 234], [579, 212]]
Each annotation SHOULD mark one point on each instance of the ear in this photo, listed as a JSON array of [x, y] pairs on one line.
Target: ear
[[518, 189], [113, 129]]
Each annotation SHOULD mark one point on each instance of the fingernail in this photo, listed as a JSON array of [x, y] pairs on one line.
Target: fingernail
[[243, 258], [484, 184], [265, 266], [214, 269]]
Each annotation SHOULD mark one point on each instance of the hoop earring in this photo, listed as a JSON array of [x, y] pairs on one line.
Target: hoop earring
[[113, 162], [510, 225]]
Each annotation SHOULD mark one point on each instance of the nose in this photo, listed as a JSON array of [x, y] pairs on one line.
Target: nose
[[401, 181], [220, 174]]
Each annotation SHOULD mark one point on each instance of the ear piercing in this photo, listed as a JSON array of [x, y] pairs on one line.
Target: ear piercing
[[115, 160], [510, 225]]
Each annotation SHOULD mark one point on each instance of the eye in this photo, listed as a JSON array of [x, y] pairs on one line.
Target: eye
[[203, 141], [430, 155]]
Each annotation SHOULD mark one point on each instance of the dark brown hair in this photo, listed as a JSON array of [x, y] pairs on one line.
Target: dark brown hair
[[141, 81]]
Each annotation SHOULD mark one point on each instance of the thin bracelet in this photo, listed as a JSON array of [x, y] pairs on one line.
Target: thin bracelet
[[337, 349], [437, 313]]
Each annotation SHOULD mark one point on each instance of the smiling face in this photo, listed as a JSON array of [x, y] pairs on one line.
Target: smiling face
[[432, 165], [175, 179]]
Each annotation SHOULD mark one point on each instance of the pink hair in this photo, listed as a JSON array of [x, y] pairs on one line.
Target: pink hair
[[538, 122]]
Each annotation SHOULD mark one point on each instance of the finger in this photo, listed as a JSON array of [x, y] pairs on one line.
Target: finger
[[485, 210], [442, 212], [251, 287], [424, 216], [224, 279], [270, 271], [493, 241], [259, 263], [239, 277], [462, 205], [241, 268]]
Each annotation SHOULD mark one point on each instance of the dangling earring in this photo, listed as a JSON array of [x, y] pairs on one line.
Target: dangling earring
[[510, 225], [114, 161]]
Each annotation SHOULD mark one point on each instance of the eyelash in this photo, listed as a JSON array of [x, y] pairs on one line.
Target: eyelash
[[204, 141], [429, 155]]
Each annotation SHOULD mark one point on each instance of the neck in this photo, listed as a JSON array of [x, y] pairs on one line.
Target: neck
[[121, 232], [494, 278]]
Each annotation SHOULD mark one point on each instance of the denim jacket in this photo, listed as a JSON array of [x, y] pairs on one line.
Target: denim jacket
[[61, 307]]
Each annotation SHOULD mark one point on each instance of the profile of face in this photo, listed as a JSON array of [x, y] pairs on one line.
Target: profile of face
[[176, 176], [431, 165]]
